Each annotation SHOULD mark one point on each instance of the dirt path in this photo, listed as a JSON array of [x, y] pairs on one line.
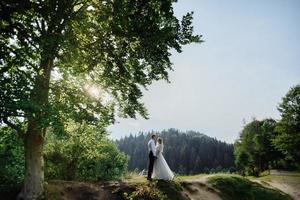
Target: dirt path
[[200, 191], [286, 188], [287, 182], [198, 188]]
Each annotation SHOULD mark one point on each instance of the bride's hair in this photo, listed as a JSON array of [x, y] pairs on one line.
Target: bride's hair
[[160, 141]]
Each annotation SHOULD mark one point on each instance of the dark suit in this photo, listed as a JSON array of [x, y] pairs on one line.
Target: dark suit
[[151, 163]]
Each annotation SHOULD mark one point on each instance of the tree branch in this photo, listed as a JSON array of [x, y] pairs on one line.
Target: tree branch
[[20, 132], [38, 25]]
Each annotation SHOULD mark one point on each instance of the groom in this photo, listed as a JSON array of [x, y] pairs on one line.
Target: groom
[[152, 156]]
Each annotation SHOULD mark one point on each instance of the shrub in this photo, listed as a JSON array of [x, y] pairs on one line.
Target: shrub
[[11, 160], [83, 153], [146, 192], [157, 190]]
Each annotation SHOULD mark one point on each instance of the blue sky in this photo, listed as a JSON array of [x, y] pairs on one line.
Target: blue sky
[[249, 60]]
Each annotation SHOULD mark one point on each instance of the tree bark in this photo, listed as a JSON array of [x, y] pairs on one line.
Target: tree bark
[[34, 139], [34, 164]]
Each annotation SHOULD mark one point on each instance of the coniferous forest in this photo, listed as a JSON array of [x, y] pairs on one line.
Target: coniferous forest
[[186, 152]]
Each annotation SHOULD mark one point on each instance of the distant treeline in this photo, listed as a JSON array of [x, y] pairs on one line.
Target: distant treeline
[[186, 152]]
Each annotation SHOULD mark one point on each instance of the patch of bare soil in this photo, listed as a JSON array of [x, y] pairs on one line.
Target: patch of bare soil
[[287, 182], [286, 188], [69, 190], [198, 190]]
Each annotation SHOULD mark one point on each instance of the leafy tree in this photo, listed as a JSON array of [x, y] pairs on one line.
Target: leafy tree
[[83, 153], [254, 151], [11, 161], [242, 158], [288, 139], [50, 49]]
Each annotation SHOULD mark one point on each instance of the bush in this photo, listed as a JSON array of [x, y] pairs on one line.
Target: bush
[[11, 160], [83, 153], [157, 190], [146, 192]]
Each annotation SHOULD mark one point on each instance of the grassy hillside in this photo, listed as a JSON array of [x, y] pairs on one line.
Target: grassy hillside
[[209, 187], [239, 188], [288, 182]]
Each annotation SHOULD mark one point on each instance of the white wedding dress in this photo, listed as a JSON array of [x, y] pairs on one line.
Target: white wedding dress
[[161, 169]]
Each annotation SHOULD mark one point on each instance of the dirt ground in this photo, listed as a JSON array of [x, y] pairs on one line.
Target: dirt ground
[[287, 182], [195, 187], [197, 190], [69, 190]]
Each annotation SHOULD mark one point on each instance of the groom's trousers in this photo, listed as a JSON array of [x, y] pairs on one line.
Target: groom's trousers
[[151, 163]]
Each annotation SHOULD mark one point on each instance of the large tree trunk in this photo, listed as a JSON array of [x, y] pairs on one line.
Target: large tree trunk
[[34, 139], [34, 169]]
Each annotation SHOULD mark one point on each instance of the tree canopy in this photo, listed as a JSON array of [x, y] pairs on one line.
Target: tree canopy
[[253, 150], [119, 46], [268, 144], [53, 52], [288, 140]]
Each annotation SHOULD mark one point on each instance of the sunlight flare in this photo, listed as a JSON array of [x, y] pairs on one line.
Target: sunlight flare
[[94, 91]]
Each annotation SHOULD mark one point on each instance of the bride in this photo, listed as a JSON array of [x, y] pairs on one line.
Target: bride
[[161, 169]]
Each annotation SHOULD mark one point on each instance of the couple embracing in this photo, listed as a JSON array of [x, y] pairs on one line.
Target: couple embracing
[[158, 167]]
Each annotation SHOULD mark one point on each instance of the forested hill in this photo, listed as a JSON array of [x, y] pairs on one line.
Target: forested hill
[[186, 152]]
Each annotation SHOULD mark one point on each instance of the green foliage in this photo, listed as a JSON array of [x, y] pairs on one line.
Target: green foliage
[[157, 190], [288, 139], [241, 158], [83, 153], [53, 52], [130, 174], [11, 160], [51, 49], [268, 144], [146, 191], [238, 188], [254, 151], [172, 189]]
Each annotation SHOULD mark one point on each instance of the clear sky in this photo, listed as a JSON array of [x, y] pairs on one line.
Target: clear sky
[[249, 60]]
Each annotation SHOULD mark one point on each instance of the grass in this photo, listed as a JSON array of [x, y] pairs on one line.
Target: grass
[[291, 176], [134, 178], [170, 189], [191, 177], [239, 188]]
